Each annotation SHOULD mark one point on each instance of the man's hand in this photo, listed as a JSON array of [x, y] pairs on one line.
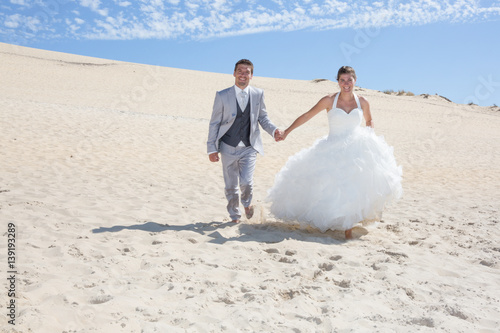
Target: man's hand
[[214, 157]]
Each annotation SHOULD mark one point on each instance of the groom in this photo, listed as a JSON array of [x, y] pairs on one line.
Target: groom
[[234, 132]]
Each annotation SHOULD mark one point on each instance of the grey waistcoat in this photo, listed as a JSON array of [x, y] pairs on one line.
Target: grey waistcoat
[[240, 130]]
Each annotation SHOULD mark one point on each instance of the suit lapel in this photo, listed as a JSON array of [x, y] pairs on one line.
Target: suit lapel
[[253, 107], [232, 100]]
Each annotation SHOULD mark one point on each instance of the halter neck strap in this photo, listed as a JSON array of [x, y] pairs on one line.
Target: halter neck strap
[[357, 100], [335, 101]]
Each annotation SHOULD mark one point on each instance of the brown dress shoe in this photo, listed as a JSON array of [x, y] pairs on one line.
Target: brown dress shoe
[[249, 212]]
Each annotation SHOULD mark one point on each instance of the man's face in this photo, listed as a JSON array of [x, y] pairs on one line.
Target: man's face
[[243, 75]]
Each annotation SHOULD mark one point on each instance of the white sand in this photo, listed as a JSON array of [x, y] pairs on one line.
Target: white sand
[[122, 227]]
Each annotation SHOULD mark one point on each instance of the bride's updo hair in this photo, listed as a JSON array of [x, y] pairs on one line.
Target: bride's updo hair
[[346, 70]]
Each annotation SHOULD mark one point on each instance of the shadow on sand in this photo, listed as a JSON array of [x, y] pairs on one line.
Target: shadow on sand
[[199, 227], [267, 232], [276, 232]]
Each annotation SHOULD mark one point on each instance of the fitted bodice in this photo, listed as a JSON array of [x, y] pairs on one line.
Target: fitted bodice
[[341, 122]]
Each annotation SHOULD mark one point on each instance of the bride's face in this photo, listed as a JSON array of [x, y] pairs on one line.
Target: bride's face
[[346, 83]]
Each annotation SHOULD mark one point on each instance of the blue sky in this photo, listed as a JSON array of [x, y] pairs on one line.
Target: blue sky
[[451, 48]]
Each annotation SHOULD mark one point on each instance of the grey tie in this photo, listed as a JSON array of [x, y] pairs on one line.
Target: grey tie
[[243, 98]]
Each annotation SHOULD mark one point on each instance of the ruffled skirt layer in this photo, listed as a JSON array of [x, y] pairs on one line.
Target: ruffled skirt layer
[[337, 182]]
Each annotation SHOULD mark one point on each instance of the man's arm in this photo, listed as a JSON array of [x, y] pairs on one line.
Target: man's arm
[[214, 126], [264, 120]]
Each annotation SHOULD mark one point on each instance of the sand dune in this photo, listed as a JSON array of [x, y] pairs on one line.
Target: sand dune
[[121, 224]]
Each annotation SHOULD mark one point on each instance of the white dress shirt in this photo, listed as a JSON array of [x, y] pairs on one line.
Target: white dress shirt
[[242, 101]]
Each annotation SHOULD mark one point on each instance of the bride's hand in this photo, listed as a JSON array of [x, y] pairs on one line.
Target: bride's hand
[[278, 135], [285, 134]]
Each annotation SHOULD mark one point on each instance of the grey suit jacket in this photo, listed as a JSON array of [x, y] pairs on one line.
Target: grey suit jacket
[[224, 114]]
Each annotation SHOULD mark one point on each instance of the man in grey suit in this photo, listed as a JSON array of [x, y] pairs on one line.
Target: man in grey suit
[[234, 132]]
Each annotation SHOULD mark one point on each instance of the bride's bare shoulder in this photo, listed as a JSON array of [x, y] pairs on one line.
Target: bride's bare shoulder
[[329, 98], [364, 102], [327, 102]]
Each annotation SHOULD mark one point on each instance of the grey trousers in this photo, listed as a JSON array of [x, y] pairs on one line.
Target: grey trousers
[[238, 166]]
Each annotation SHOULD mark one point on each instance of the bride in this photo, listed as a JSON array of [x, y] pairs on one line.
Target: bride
[[344, 178]]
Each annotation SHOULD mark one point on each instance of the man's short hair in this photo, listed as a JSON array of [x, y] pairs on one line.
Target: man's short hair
[[244, 62]]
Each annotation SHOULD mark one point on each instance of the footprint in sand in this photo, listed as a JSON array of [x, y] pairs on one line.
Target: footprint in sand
[[456, 313], [429, 322], [343, 284], [100, 299], [326, 267], [288, 260], [486, 263]]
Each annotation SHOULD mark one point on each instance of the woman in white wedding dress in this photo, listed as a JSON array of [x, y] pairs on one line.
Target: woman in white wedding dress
[[344, 178]]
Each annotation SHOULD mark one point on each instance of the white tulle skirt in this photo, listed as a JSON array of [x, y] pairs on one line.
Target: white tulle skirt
[[337, 182]]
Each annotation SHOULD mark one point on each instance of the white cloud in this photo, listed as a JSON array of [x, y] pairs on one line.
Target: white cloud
[[220, 4], [19, 2], [27, 24], [72, 27], [124, 3], [199, 19], [94, 6], [334, 6], [315, 10], [191, 7], [157, 3], [13, 21]]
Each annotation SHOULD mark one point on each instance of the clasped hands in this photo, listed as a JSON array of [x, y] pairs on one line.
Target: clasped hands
[[279, 135]]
